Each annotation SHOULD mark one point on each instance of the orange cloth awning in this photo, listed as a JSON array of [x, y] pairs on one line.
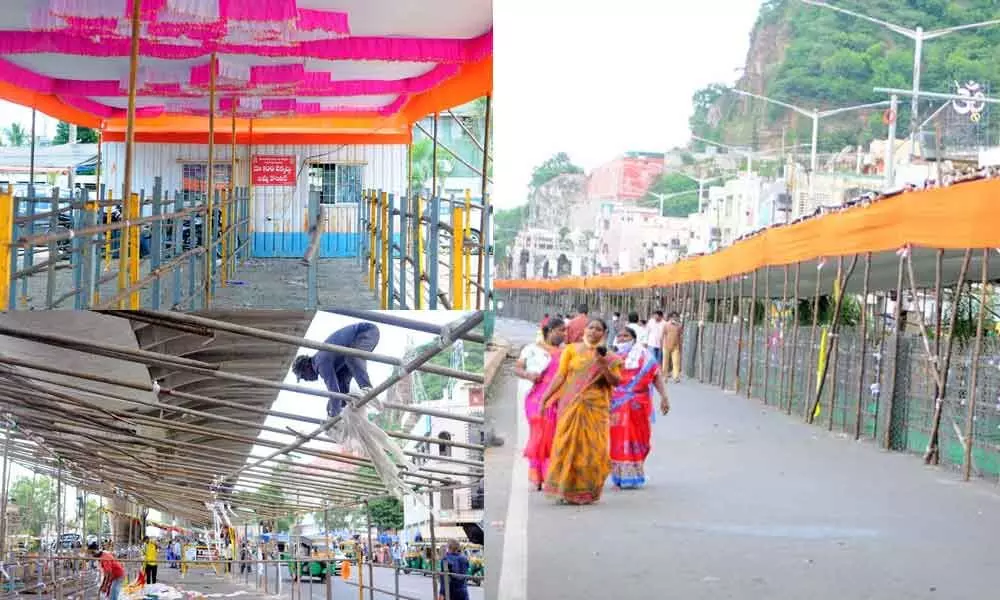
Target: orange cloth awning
[[951, 218]]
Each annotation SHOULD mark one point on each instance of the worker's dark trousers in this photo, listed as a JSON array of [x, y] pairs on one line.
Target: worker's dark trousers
[[150, 574], [348, 367]]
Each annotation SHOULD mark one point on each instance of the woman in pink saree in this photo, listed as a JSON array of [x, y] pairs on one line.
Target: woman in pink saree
[[539, 363]]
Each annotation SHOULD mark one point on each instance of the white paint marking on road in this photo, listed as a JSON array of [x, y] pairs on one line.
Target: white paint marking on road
[[513, 582]]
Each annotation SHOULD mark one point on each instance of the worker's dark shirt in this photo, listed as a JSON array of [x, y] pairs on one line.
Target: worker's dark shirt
[[455, 563], [330, 365]]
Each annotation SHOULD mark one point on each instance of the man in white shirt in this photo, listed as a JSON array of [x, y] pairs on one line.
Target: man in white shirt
[[640, 332], [654, 335]]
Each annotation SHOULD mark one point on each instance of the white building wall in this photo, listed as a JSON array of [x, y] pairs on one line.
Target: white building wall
[[415, 515], [277, 209]]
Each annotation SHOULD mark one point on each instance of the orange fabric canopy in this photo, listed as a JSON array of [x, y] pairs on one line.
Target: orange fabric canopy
[[473, 81], [951, 218]]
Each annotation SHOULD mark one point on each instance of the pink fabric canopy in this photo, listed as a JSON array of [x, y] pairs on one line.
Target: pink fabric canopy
[[273, 57]]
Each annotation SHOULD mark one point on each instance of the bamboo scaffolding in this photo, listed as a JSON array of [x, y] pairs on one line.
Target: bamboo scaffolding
[[112, 449]]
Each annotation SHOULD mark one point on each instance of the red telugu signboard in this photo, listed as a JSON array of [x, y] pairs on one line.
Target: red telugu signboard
[[273, 170]]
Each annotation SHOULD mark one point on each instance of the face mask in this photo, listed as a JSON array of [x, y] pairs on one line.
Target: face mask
[[624, 346]]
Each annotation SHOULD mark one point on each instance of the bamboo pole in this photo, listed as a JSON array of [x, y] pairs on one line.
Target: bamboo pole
[[781, 328], [737, 382], [939, 367], [483, 294], [385, 249], [208, 227], [753, 333], [702, 310], [134, 208], [727, 328], [123, 274], [863, 351], [970, 415], [230, 199], [793, 347], [813, 350], [842, 278], [467, 284]]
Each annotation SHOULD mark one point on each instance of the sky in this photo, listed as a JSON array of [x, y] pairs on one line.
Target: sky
[[594, 79], [597, 79], [12, 113], [393, 341]]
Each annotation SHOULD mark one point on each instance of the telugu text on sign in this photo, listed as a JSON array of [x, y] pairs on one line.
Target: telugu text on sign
[[273, 170]]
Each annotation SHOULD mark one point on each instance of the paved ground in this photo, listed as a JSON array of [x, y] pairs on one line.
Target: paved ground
[[744, 502], [248, 586], [258, 283], [281, 284]]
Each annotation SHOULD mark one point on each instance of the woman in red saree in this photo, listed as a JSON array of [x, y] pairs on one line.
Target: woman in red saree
[[539, 364], [632, 411], [582, 388]]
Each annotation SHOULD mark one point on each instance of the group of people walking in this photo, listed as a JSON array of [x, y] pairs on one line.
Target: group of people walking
[[590, 406]]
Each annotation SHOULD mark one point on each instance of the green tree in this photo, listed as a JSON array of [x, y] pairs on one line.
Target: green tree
[[434, 384], [422, 161], [84, 135], [95, 518], [35, 498], [558, 164], [815, 57], [676, 206], [386, 513], [338, 518], [16, 135], [506, 224]]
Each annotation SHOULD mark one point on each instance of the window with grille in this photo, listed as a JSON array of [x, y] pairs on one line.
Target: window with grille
[[194, 177], [335, 183]]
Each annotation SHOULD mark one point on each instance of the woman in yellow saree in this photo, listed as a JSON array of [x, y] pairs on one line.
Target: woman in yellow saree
[[580, 461]]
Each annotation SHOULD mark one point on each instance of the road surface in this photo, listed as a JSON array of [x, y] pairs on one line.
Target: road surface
[[207, 582], [744, 503]]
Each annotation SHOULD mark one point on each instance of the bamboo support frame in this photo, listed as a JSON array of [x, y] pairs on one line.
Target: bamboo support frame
[[208, 226], [752, 330], [75, 420], [863, 350], [813, 349], [970, 415]]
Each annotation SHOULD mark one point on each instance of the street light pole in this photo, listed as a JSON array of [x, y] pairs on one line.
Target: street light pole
[[890, 151], [918, 50], [919, 36]]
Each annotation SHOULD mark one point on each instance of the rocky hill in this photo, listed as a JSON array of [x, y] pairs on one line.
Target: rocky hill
[[815, 57]]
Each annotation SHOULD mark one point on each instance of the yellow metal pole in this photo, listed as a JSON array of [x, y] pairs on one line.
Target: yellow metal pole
[[6, 245], [134, 211], [384, 205], [457, 241], [372, 240], [224, 236], [125, 234], [361, 572], [209, 223], [418, 283], [467, 268], [124, 241], [107, 234]]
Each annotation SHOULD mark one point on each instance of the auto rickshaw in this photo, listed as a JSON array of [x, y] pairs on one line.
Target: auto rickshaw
[[418, 558], [477, 563], [350, 550], [324, 561]]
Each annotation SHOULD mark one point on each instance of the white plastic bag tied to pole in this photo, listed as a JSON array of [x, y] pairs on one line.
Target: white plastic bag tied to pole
[[363, 437]]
